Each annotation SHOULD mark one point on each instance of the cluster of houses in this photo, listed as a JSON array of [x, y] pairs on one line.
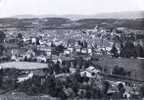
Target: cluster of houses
[[38, 45]]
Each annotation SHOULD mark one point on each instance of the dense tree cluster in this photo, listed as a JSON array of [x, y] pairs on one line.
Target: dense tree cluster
[[128, 50]]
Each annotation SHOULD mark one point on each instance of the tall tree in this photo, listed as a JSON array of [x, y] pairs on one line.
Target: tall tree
[[2, 37], [114, 51], [128, 50], [20, 40]]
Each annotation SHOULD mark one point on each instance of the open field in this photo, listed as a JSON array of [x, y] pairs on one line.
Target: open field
[[136, 66], [23, 65], [20, 97]]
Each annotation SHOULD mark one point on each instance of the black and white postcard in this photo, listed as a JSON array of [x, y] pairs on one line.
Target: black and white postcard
[[71, 49]]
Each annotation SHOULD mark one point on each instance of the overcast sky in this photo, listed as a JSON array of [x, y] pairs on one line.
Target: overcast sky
[[65, 7]]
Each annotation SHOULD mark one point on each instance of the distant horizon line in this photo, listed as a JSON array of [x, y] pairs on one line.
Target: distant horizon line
[[68, 15]]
